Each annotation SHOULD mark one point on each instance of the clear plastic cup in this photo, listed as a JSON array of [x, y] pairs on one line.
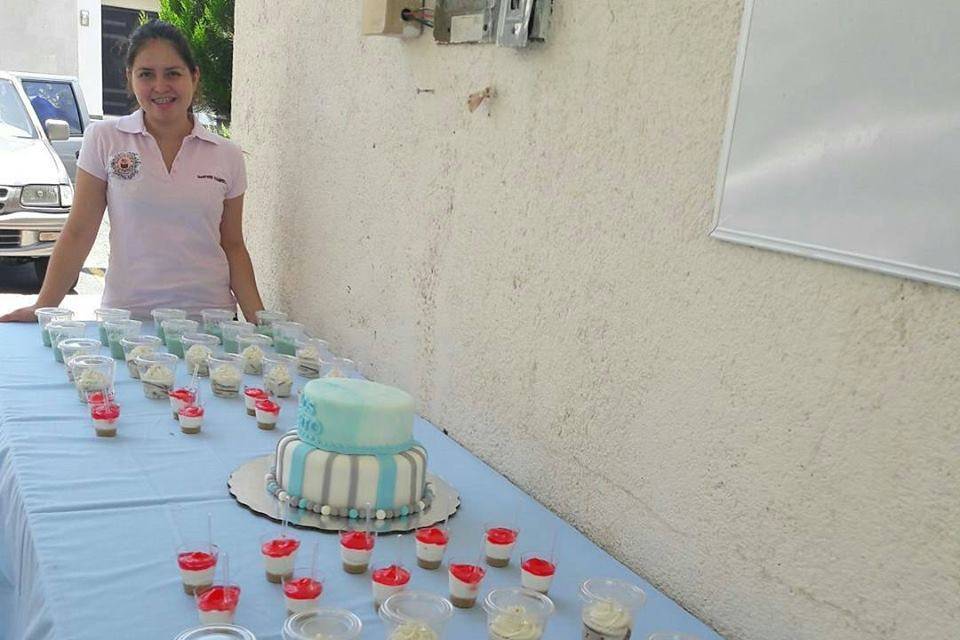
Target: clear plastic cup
[[279, 555], [190, 419], [73, 347], [387, 579], [537, 570], [212, 319], [197, 349], [197, 562], [465, 576], [104, 314], [278, 372], [136, 346], [267, 412], [431, 544], [46, 315], [609, 607], [159, 315], [252, 347], [62, 330], [217, 604], [266, 318], [514, 612], [250, 397], [92, 373], [356, 547], [285, 336], [226, 374], [302, 589], [104, 413], [333, 624], [117, 330], [499, 540], [408, 611], [158, 373], [310, 354], [173, 329], [231, 330]]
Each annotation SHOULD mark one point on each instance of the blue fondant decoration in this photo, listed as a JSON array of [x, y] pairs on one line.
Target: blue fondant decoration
[[387, 481], [404, 510], [303, 503], [298, 464], [353, 513], [308, 426]]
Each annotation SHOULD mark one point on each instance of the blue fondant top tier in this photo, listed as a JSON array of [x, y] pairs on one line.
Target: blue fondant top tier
[[347, 415]]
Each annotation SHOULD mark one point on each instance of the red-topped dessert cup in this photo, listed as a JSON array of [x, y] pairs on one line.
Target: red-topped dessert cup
[[356, 547], [191, 419], [267, 412], [250, 397], [197, 562], [431, 544], [279, 553], [537, 570], [465, 578], [302, 590], [217, 604], [499, 541], [388, 579]]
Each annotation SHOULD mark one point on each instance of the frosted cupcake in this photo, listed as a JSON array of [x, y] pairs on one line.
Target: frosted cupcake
[[225, 375], [197, 349], [278, 374], [157, 374], [253, 346], [136, 346]]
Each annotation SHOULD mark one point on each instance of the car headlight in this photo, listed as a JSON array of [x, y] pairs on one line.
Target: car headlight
[[66, 195], [40, 195]]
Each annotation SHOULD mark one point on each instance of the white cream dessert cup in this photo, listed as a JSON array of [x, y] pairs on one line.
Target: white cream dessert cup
[[46, 315], [226, 375], [73, 347], [415, 614], [310, 354], [197, 349], [136, 346], [609, 608], [515, 613], [157, 374], [278, 372], [252, 348], [92, 373]]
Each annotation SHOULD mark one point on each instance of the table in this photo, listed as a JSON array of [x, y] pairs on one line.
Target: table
[[88, 526]]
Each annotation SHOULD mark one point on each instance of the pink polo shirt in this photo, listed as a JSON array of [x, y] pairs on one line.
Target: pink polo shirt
[[164, 226]]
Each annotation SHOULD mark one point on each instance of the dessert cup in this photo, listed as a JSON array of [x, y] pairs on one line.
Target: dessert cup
[[64, 330], [212, 318], [266, 318], [279, 554], [415, 614], [136, 346], [103, 315], [431, 544], [173, 330], [230, 330], [464, 579], [499, 541], [302, 589], [157, 374], [253, 347], [116, 331], [159, 315], [356, 547], [197, 349], [330, 624], [226, 374], [514, 612], [609, 607], [46, 315], [278, 372]]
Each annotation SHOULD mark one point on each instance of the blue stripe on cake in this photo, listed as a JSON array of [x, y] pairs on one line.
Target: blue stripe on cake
[[386, 485]]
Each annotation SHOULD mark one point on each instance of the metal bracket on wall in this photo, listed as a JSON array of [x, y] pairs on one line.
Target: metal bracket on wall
[[523, 20], [463, 21]]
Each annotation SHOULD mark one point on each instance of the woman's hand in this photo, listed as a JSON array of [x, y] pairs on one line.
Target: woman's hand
[[24, 314]]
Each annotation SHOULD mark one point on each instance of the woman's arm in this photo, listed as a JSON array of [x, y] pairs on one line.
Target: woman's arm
[[242, 280], [76, 239]]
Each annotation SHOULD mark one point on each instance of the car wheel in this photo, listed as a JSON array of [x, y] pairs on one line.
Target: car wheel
[[40, 268]]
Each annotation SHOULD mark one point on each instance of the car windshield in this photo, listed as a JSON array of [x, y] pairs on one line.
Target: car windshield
[[14, 121]]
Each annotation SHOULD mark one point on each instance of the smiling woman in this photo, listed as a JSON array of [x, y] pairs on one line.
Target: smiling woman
[[174, 192]]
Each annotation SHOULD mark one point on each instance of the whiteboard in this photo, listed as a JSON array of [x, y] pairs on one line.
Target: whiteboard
[[843, 136]]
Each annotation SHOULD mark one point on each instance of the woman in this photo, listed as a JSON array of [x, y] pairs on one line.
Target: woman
[[174, 192]]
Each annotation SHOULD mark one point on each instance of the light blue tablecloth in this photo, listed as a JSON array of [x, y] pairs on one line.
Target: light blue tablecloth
[[88, 526]]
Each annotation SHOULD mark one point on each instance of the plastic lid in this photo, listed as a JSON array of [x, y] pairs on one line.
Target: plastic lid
[[217, 632], [339, 624]]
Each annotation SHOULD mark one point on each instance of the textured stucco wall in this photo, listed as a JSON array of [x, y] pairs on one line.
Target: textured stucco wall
[[779, 436], [39, 36]]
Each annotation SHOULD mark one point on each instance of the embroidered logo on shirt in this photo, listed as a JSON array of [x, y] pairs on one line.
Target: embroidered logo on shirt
[[125, 165], [209, 177]]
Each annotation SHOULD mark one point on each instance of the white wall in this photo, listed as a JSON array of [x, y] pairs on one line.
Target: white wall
[[39, 36], [89, 54], [773, 441]]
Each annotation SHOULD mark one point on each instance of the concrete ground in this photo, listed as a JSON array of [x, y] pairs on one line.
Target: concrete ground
[[19, 286]]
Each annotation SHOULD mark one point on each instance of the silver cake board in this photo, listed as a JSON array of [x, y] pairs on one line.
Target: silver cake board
[[248, 487]]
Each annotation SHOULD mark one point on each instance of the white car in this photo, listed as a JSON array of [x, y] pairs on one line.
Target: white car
[[42, 120]]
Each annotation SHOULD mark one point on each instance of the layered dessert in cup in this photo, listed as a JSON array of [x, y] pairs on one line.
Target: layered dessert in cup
[[253, 346], [157, 374], [537, 570], [302, 589], [191, 419], [197, 349], [309, 353], [116, 331], [136, 346], [278, 371], [431, 543], [250, 397], [499, 541], [326, 624], [465, 575], [105, 415], [212, 319], [267, 412], [217, 604], [356, 547], [338, 368], [103, 315], [514, 613], [159, 315], [63, 330], [226, 374], [46, 315], [173, 330], [181, 397], [285, 336], [230, 330], [197, 562], [266, 318], [609, 607], [416, 615], [388, 579], [73, 347], [279, 553], [91, 374]]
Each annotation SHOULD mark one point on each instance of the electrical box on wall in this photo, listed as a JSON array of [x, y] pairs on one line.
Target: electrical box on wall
[[385, 18], [463, 21], [523, 20]]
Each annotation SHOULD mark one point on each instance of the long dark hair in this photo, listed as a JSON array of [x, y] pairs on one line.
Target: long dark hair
[[160, 30]]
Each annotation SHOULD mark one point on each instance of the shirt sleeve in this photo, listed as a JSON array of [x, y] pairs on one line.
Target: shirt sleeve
[[91, 157], [238, 173]]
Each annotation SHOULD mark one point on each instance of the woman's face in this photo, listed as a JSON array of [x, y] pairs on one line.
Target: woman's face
[[162, 83]]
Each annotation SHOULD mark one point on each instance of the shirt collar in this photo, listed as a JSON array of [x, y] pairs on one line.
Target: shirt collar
[[133, 123]]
